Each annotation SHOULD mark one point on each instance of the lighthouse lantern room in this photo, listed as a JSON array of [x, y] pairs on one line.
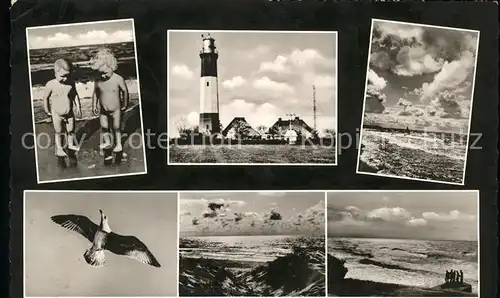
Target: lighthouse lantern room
[[209, 94]]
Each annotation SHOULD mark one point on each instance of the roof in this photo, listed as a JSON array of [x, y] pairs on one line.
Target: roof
[[241, 121], [281, 125]]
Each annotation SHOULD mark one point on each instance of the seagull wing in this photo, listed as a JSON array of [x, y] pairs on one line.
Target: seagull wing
[[131, 247], [78, 223]]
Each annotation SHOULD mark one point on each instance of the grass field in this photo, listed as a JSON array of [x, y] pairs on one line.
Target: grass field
[[255, 154]]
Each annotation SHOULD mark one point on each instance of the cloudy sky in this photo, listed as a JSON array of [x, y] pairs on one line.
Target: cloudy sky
[[421, 75], [252, 213], [262, 76], [80, 34], [54, 256], [412, 215]]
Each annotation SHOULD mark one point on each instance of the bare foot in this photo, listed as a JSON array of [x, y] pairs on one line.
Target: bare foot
[[118, 148], [60, 152]]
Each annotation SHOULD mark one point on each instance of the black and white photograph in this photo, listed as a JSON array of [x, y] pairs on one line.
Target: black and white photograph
[[96, 244], [252, 244], [252, 97], [418, 102], [86, 103], [403, 243]]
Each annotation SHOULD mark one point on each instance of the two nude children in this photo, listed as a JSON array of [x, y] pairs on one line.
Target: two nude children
[[60, 97]]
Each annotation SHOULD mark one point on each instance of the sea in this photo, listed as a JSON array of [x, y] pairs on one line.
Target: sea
[[42, 71], [395, 152], [245, 252], [407, 262]]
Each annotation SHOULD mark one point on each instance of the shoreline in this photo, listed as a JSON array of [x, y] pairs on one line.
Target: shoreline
[[358, 287], [338, 285]]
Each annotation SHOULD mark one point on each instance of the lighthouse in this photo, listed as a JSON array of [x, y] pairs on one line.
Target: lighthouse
[[209, 93]]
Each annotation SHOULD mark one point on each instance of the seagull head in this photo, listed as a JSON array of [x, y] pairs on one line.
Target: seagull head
[[104, 222]]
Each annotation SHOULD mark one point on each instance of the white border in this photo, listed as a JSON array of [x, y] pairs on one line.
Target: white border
[[326, 192], [364, 104], [255, 164], [178, 242], [478, 205], [326, 244], [138, 93]]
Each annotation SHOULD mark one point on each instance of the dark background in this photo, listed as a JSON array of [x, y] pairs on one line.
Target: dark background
[[351, 20]]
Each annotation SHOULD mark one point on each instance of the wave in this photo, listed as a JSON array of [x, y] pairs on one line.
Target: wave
[[84, 91], [408, 262]]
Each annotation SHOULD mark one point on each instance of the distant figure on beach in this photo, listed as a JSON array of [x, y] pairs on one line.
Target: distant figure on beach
[[454, 276], [59, 99], [111, 96]]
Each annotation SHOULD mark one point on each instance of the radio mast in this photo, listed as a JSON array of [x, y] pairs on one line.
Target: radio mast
[[314, 105]]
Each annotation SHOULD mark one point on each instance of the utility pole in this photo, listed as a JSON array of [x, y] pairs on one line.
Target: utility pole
[[314, 106]]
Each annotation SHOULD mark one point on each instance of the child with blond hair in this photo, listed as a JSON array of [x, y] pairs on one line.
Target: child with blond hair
[[59, 99], [109, 99]]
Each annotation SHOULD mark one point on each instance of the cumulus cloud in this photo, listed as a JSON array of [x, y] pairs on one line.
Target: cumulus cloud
[[266, 84], [320, 81], [234, 82], [257, 51], [450, 216], [214, 217], [374, 97], [354, 216], [415, 61], [303, 58], [412, 111], [417, 222], [448, 104], [451, 76], [91, 37], [404, 103], [277, 65], [402, 31], [182, 71], [411, 50], [255, 114], [377, 82], [310, 64], [389, 214], [271, 194]]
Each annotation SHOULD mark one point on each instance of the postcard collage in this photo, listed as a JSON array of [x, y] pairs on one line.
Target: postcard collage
[[251, 98]]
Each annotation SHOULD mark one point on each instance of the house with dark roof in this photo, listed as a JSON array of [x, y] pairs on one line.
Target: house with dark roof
[[239, 127], [281, 128]]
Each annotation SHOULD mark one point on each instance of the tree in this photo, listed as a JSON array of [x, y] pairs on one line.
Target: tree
[[185, 129], [241, 129], [273, 131], [182, 125], [261, 129], [314, 134], [329, 133]]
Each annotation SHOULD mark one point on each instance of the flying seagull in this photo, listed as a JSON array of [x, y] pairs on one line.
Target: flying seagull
[[103, 238]]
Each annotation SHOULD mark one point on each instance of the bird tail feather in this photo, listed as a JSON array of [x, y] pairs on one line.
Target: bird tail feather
[[95, 258]]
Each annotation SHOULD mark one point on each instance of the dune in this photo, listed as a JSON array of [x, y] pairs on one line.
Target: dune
[[301, 273]]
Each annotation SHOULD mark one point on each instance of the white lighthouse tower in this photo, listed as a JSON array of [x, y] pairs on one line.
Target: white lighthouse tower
[[209, 93]]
